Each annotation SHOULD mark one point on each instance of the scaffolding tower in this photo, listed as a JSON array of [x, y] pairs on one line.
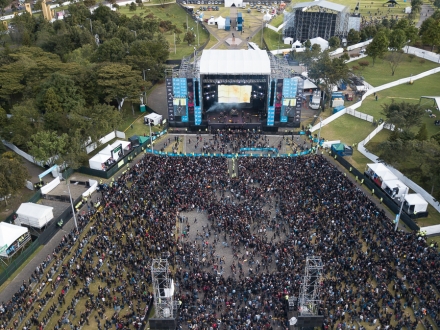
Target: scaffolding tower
[[308, 303], [163, 286]]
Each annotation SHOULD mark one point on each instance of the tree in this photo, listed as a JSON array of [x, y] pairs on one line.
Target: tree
[[437, 3], [307, 44], [132, 6], [334, 42], [117, 81], [25, 121], [89, 3], [48, 146], [422, 134], [13, 174], [397, 39], [394, 59], [430, 32], [112, 50], [411, 57], [345, 56], [403, 115], [326, 71], [353, 37], [416, 6], [378, 46], [3, 5], [189, 37]]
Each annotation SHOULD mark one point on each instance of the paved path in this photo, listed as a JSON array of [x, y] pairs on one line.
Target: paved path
[[425, 12]]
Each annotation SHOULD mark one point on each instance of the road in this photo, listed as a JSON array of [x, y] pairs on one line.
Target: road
[[425, 12]]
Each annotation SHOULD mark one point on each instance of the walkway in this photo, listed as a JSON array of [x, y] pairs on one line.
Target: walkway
[[425, 12]]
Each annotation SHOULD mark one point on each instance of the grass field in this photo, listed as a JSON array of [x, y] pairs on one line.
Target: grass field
[[380, 73], [405, 92]]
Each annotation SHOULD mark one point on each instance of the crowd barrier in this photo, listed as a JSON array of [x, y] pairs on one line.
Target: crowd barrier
[[236, 155], [275, 150]]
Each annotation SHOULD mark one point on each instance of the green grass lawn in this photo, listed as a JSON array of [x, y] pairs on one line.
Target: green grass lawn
[[405, 92], [273, 39], [380, 73], [277, 21], [178, 16]]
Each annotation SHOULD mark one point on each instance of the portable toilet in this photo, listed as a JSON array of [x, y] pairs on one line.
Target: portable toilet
[[239, 27], [239, 18], [228, 24]]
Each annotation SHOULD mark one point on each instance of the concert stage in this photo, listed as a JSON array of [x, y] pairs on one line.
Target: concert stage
[[234, 88]]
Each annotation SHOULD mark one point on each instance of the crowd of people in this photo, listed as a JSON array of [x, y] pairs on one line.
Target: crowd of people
[[237, 248]]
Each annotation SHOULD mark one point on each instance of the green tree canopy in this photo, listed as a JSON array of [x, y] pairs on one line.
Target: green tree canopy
[[403, 115], [378, 46], [13, 174], [48, 146]]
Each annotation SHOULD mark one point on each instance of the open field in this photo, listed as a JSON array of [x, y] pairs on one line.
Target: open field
[[380, 73], [405, 92]]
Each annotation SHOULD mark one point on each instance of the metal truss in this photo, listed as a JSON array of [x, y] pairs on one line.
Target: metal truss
[[163, 287], [310, 289]]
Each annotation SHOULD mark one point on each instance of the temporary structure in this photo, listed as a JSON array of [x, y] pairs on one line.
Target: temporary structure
[[98, 162], [394, 188], [320, 41], [211, 21], [288, 41], [220, 22], [34, 215], [12, 239], [156, 118], [379, 173], [431, 230], [342, 149], [414, 204]]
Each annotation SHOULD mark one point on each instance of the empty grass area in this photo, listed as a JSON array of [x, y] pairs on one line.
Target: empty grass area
[[380, 73], [277, 21], [274, 40], [404, 92]]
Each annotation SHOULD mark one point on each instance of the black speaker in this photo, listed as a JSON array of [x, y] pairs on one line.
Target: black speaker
[[162, 324], [196, 93], [310, 321], [272, 92]]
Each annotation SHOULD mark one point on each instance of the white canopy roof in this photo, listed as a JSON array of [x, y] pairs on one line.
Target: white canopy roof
[[394, 183], [100, 158], [297, 43], [9, 233], [431, 230], [235, 62], [34, 215], [107, 151], [320, 41], [414, 199], [378, 167]]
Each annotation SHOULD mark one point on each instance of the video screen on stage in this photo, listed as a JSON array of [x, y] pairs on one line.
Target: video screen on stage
[[234, 93]]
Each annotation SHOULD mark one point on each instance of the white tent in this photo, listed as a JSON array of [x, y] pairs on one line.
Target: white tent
[[394, 188], [211, 21], [237, 62], [107, 151], [267, 17], [220, 22], [236, 3], [34, 215], [320, 41], [12, 238], [288, 41], [414, 203], [156, 118], [96, 161], [431, 230], [408, 10], [379, 173], [297, 44]]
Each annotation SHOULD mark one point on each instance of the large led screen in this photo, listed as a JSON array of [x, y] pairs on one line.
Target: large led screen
[[234, 93]]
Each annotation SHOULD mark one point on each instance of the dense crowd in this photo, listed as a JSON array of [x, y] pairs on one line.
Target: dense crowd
[[237, 247]]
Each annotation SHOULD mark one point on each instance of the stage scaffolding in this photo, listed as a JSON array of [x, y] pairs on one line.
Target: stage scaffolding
[[163, 286], [308, 21], [310, 289]]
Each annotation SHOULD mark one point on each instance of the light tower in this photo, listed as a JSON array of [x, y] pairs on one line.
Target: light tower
[[163, 286], [308, 302]]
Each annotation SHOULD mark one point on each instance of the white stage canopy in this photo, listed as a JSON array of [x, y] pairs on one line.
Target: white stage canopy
[[435, 98], [235, 62], [9, 233], [34, 215]]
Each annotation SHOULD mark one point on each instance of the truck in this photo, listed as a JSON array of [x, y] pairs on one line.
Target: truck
[[315, 100]]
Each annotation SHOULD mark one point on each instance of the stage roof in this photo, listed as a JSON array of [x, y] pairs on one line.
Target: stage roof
[[235, 62], [322, 3]]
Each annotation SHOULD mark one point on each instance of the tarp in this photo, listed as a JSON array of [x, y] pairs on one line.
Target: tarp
[[9, 233], [143, 139], [250, 62], [341, 149], [33, 215]]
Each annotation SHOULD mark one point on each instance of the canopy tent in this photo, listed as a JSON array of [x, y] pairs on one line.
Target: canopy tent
[[267, 17], [297, 44], [220, 23], [319, 41], [99, 162], [435, 98], [414, 204], [211, 21], [288, 41], [394, 188], [107, 150], [342, 150], [155, 118], [34, 215], [143, 139], [12, 239], [379, 173], [239, 62]]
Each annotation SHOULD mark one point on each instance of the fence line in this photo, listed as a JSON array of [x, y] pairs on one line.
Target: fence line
[[360, 115]]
